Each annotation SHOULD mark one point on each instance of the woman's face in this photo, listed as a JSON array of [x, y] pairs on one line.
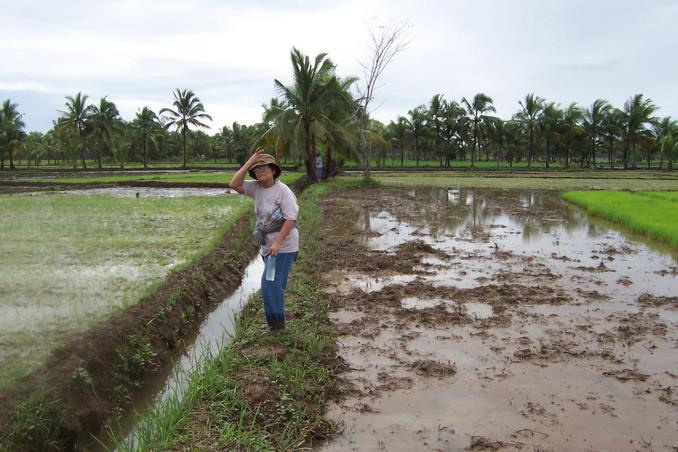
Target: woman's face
[[264, 173]]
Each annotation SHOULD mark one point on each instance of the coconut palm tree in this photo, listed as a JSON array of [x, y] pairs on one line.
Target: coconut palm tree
[[611, 128], [593, 122], [572, 129], [76, 118], [302, 116], [531, 108], [189, 111], [398, 134], [436, 112], [104, 119], [476, 111], [11, 132], [454, 130], [34, 148], [665, 132], [669, 149], [549, 123], [146, 122], [637, 112], [417, 126], [497, 137]]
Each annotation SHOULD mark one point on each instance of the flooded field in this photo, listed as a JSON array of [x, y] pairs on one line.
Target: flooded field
[[138, 192], [73, 258], [499, 320]]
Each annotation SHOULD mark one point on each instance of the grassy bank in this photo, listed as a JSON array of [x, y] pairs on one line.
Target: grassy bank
[[536, 179], [263, 391], [652, 214]]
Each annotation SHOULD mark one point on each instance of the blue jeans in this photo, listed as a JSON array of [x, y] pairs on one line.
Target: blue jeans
[[274, 291], [319, 172]]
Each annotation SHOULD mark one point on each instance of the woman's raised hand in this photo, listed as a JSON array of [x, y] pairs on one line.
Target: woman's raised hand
[[253, 158]]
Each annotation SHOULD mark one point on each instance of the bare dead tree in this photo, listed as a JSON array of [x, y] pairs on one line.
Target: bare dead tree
[[386, 42]]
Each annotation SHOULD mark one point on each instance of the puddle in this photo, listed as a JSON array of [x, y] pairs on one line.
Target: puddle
[[421, 303], [533, 224], [345, 282], [478, 310]]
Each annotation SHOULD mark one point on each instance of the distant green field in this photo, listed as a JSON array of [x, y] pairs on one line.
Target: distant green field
[[222, 177], [652, 214], [492, 164], [537, 179]]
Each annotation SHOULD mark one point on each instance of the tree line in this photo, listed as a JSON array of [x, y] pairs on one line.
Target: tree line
[[320, 113], [87, 131], [540, 131]]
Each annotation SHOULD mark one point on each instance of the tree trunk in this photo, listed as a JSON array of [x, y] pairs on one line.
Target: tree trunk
[[328, 162], [83, 146], [145, 149], [402, 155], [416, 148], [567, 155], [475, 143], [530, 147], [183, 133], [99, 151], [11, 160], [310, 155]]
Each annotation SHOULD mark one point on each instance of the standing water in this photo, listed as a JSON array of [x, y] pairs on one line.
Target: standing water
[[212, 336]]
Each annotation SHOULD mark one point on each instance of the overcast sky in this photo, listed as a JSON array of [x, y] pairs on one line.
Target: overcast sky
[[228, 53]]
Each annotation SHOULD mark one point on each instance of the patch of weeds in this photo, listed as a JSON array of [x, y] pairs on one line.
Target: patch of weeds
[[188, 314], [37, 420]]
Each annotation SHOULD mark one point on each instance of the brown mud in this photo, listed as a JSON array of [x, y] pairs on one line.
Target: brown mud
[[498, 320]]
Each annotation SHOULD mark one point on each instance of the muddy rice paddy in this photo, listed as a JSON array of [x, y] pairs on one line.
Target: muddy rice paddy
[[498, 320]]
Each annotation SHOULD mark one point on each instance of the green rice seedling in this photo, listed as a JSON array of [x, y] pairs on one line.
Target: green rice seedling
[[653, 216]]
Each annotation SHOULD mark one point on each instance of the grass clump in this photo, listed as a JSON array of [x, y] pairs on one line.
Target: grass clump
[[651, 214]]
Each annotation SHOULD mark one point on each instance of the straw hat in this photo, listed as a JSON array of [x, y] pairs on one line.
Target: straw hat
[[265, 159]]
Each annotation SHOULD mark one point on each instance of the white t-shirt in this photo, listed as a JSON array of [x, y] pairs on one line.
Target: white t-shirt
[[266, 201]]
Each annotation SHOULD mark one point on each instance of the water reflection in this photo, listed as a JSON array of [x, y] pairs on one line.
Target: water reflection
[[523, 222]]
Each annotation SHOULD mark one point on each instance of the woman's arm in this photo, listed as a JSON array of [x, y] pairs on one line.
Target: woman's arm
[[286, 228], [239, 177]]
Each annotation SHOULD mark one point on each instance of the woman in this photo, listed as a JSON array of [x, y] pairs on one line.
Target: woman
[[276, 209]]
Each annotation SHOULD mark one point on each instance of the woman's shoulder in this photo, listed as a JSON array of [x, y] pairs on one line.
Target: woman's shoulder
[[286, 190], [250, 187]]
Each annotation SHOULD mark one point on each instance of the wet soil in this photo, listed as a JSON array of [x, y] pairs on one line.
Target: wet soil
[[498, 320]]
